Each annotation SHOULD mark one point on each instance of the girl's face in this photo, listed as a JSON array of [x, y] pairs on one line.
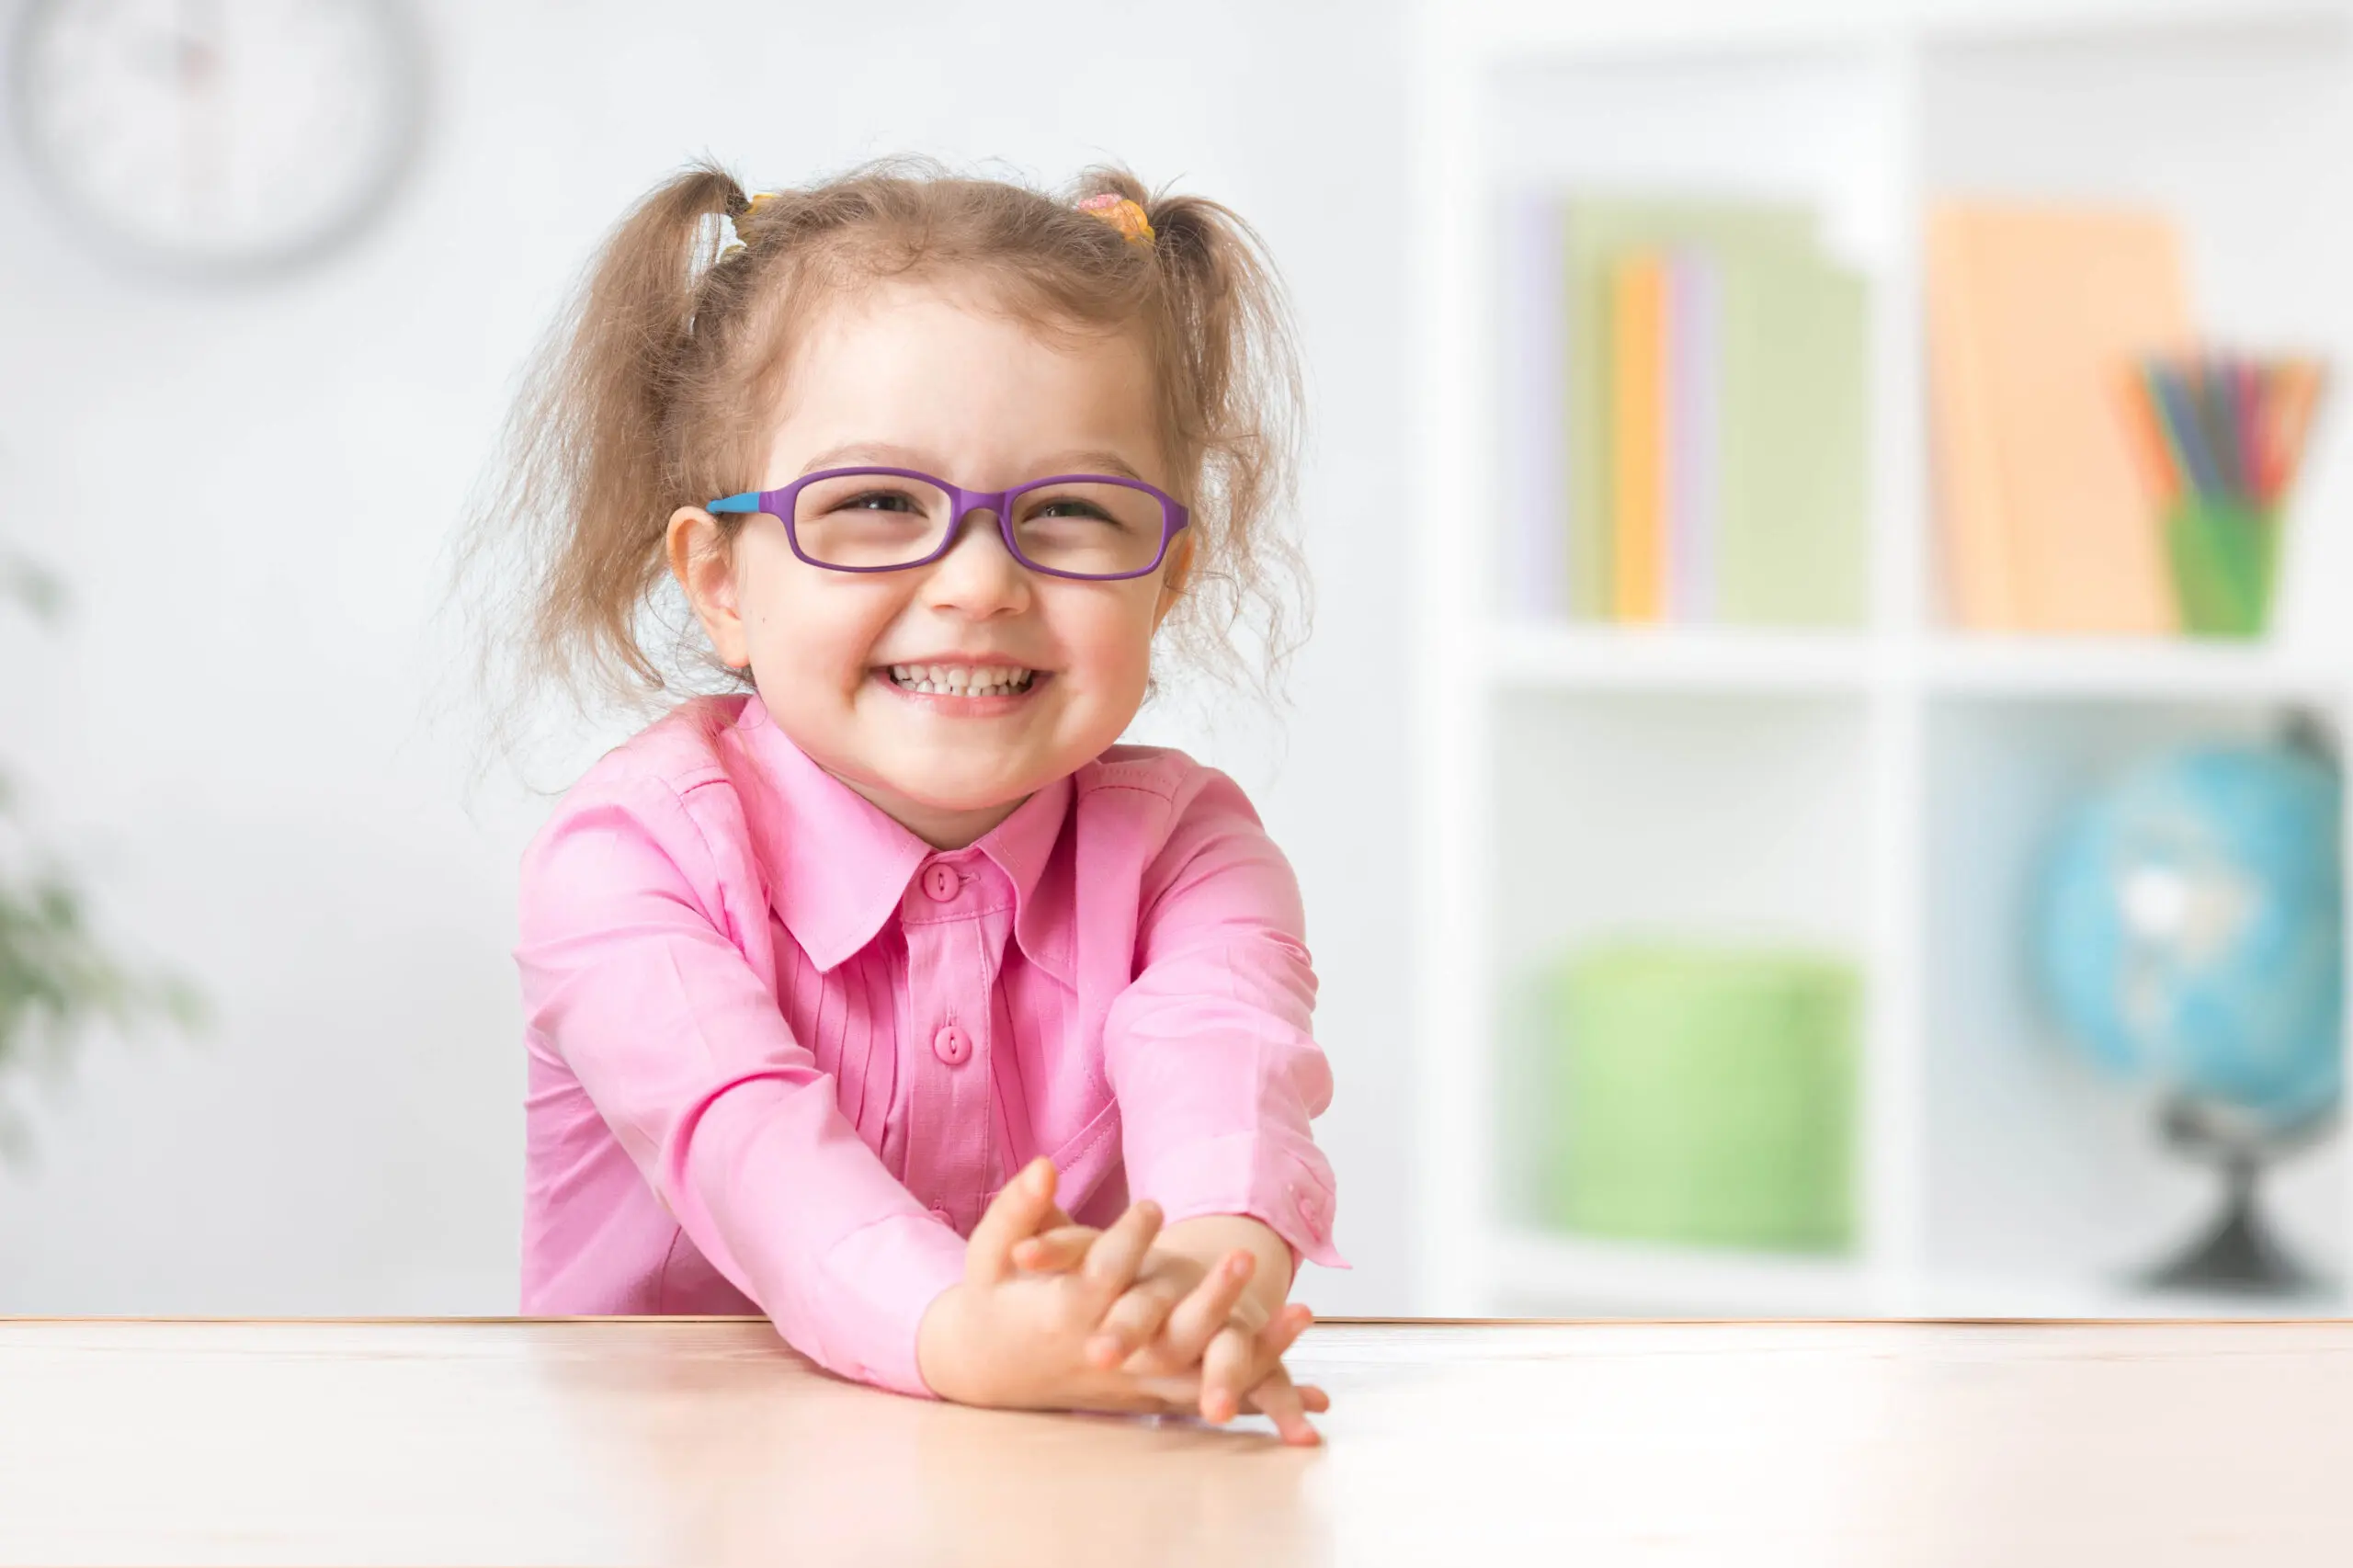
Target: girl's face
[[916, 377]]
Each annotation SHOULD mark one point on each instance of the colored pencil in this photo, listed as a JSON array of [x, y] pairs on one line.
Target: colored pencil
[[2220, 427], [2304, 381], [2152, 449], [2172, 390]]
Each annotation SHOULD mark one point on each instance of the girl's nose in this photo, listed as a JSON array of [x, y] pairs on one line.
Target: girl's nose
[[978, 576]]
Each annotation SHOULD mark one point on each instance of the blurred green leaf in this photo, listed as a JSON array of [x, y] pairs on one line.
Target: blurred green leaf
[[33, 586], [57, 980]]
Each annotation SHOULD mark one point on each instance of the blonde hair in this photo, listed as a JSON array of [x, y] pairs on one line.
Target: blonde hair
[[654, 388]]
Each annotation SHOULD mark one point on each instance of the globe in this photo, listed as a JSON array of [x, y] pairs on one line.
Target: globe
[[2189, 929]]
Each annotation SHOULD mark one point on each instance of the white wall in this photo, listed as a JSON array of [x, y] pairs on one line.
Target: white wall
[[249, 492]]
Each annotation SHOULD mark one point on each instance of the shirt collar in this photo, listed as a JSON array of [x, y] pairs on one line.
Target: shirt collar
[[839, 865]]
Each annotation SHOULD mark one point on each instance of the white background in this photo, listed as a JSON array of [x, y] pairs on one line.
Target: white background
[[249, 492]]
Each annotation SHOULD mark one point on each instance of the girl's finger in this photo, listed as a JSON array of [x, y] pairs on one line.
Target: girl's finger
[[1133, 1319], [1117, 1253], [1208, 1308], [1057, 1251], [1316, 1399], [1283, 1330], [1286, 1406], [1015, 1214], [1227, 1369]]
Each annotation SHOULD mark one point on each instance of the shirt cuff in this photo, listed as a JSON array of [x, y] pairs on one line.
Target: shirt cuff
[[1288, 1191], [890, 1273]]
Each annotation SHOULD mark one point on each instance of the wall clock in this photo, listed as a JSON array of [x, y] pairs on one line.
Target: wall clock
[[219, 136]]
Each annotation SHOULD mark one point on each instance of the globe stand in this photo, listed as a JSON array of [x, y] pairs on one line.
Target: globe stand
[[2237, 1254]]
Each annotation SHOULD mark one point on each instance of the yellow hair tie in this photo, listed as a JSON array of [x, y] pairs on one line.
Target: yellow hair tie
[[1121, 213]]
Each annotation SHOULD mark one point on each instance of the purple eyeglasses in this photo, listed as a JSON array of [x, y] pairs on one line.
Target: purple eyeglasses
[[1092, 527]]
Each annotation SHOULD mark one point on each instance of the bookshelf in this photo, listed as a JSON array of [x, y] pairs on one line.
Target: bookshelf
[[1878, 789]]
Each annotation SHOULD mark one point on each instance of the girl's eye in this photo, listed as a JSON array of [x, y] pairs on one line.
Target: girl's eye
[[1070, 506], [878, 501]]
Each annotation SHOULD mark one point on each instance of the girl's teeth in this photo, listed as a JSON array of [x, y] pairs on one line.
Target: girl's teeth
[[963, 680]]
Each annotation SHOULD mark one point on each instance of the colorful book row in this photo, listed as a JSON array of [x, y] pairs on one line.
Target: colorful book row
[[1687, 415]]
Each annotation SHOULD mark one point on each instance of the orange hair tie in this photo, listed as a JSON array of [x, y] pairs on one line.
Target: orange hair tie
[[1121, 213]]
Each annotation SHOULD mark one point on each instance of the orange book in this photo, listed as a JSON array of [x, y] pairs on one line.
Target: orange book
[[2033, 312], [1638, 438]]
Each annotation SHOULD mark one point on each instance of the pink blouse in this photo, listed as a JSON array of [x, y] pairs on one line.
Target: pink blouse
[[783, 1053]]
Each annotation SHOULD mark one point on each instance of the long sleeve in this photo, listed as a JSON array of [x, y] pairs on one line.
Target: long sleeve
[[632, 981], [1208, 1050]]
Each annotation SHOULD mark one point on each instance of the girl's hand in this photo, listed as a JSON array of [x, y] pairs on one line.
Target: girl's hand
[[1179, 1316], [1018, 1339]]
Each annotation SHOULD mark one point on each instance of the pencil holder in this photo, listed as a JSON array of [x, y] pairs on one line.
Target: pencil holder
[[2225, 557]]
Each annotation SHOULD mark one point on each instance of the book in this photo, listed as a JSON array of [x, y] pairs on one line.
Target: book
[[1695, 434], [2033, 312], [1533, 493], [1597, 231], [1793, 544], [1638, 474]]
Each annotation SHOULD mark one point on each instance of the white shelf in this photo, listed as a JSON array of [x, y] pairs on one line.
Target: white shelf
[[1585, 1276], [1879, 792], [1678, 659], [2010, 1296], [1797, 663], [1588, 1277], [2150, 669]]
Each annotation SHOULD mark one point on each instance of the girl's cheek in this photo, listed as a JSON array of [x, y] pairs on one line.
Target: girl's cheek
[[1135, 646], [827, 631]]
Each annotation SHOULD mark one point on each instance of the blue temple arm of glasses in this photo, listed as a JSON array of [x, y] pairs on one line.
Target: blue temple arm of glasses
[[749, 501]]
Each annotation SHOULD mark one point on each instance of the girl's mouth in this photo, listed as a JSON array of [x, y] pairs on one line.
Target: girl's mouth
[[961, 680]]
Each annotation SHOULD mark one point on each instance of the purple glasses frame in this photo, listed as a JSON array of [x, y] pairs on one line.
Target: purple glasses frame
[[778, 504]]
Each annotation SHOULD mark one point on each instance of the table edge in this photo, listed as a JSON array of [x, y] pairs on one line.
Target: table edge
[[619, 1320]]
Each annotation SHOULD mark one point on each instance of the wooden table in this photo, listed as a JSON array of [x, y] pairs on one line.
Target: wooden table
[[704, 1441]]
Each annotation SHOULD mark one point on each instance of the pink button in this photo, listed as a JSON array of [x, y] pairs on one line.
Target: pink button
[[1311, 1210], [952, 1045], [940, 1213], [942, 882]]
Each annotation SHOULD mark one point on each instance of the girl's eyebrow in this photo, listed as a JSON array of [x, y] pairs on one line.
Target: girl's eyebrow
[[1094, 460], [882, 452], [1085, 460]]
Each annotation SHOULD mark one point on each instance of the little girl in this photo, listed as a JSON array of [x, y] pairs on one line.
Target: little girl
[[887, 996]]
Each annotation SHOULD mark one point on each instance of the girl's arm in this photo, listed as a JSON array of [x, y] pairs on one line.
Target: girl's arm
[[629, 977], [1218, 1076], [1209, 1049]]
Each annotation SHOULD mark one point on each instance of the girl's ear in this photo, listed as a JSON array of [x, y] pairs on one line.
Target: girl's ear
[[699, 560], [1174, 574]]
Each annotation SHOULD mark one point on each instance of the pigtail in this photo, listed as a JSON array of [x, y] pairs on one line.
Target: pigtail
[[564, 557], [1235, 357]]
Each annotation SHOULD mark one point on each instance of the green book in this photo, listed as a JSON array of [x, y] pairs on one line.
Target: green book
[[1598, 231], [1792, 547], [1703, 1096]]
